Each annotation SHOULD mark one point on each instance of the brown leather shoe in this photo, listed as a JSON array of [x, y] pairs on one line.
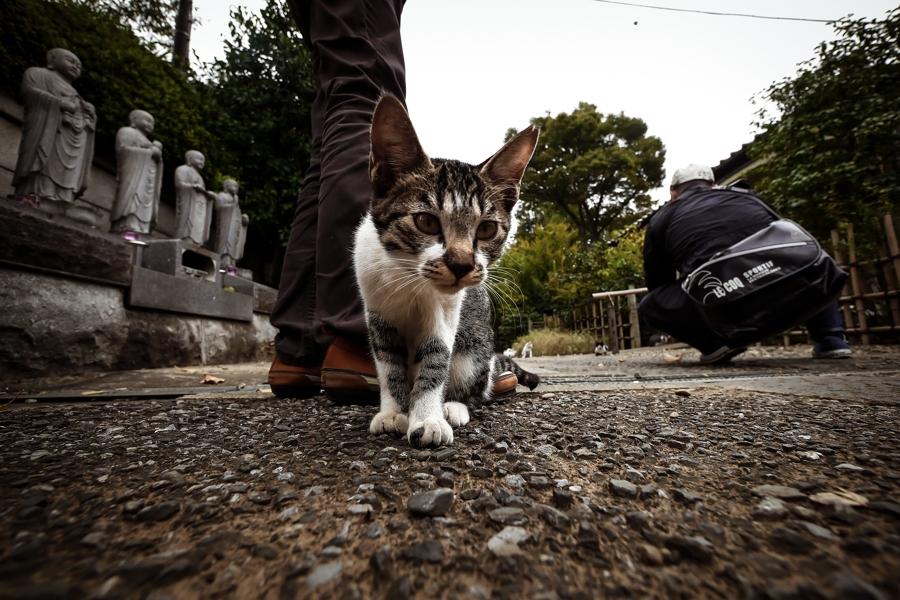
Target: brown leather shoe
[[288, 381], [504, 385], [349, 375]]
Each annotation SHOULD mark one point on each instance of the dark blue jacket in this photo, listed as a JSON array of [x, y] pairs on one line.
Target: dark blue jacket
[[687, 231]]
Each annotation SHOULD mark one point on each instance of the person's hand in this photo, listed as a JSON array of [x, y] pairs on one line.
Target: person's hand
[[198, 188], [155, 152], [67, 106], [89, 109]]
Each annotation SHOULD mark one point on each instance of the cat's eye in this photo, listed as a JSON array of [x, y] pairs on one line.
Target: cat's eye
[[486, 230], [427, 223]]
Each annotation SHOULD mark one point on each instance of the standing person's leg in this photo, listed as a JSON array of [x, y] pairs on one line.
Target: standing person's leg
[[362, 59], [357, 58], [669, 309], [300, 344], [827, 331]]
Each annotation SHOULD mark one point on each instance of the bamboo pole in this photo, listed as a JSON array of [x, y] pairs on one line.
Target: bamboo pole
[[890, 286], [634, 324], [845, 308], [603, 325], [894, 249], [857, 286], [613, 333]]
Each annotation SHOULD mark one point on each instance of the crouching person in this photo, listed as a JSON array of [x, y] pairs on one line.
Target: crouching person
[[702, 221]]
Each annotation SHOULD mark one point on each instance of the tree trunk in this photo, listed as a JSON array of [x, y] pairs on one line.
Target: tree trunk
[[183, 23]]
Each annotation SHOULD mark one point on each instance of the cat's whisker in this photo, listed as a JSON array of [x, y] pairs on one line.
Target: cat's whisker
[[505, 299], [509, 283], [500, 288], [405, 279]]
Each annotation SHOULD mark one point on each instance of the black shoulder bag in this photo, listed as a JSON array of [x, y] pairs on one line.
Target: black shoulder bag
[[765, 284]]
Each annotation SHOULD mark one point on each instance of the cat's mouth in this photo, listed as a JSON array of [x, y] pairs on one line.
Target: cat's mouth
[[456, 286]]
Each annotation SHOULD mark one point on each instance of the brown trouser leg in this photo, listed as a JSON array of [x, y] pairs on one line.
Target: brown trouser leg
[[357, 57]]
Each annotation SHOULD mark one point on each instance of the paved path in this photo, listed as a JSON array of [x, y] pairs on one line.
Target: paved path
[[871, 375], [775, 477]]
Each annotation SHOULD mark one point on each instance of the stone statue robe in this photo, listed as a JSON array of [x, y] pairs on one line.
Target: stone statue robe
[[193, 215], [139, 182], [57, 147], [229, 229]]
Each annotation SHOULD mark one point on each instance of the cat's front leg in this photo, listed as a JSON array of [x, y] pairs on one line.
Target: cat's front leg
[[390, 361], [427, 425]]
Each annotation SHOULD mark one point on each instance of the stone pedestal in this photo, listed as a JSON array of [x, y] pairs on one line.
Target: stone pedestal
[[181, 259], [78, 300]]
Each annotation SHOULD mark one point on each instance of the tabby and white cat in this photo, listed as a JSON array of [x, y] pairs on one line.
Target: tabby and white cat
[[421, 257]]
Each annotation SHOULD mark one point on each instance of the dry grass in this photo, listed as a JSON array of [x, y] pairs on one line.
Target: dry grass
[[553, 342]]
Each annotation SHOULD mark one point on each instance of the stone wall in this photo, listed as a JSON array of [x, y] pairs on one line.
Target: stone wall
[[102, 191], [52, 326]]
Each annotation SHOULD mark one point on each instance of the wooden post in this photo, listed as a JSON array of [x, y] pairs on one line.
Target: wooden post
[[598, 333], [845, 308], [603, 325], [889, 281], [613, 329], [634, 323], [857, 287], [184, 21], [893, 247]]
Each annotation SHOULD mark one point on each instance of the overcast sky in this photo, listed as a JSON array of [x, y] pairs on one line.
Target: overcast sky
[[478, 67]]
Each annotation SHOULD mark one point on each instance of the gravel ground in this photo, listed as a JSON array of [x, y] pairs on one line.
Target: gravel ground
[[635, 494]]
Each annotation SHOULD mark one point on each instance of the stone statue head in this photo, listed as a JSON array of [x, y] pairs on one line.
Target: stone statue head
[[230, 186], [141, 120], [65, 63], [195, 159]]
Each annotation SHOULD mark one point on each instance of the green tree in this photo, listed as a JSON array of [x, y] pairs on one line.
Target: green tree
[[593, 170], [260, 97], [551, 273], [154, 20], [832, 142]]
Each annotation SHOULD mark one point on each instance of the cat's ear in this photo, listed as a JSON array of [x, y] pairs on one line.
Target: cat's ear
[[506, 167], [395, 149]]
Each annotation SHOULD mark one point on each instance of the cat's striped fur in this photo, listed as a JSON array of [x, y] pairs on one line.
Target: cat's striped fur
[[421, 257]]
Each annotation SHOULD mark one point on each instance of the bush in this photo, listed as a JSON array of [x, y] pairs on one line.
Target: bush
[[553, 342]]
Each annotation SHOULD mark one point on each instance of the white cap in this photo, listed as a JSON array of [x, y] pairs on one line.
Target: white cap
[[692, 172]]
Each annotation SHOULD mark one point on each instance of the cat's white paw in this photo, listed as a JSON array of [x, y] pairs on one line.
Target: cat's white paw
[[456, 413], [430, 432], [389, 421]]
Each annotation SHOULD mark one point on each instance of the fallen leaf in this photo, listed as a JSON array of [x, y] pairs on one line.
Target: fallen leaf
[[669, 358], [842, 496], [852, 496], [810, 455], [211, 379], [184, 370]]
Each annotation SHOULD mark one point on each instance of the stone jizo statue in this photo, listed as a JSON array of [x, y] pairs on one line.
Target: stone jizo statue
[[138, 176], [194, 204], [57, 146], [231, 225]]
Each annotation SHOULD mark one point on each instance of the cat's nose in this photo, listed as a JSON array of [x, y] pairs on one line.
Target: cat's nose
[[458, 267]]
